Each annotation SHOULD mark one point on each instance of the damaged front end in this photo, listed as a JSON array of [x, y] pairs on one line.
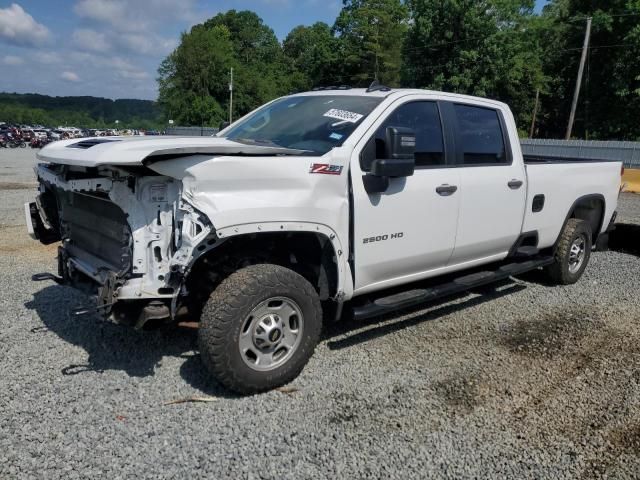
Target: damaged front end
[[127, 236]]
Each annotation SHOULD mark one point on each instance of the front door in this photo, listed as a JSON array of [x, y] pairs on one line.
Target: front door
[[409, 230]]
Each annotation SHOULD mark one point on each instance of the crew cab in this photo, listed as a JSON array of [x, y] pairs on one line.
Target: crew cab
[[316, 206]]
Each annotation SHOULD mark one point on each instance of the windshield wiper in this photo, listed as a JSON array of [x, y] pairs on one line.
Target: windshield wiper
[[269, 143], [257, 141]]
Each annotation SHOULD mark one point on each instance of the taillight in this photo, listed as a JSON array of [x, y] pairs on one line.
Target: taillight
[[622, 171]]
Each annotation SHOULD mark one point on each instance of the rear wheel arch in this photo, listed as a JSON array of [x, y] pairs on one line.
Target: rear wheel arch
[[590, 208]]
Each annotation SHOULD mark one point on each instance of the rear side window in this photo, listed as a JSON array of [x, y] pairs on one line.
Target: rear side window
[[480, 135], [424, 119]]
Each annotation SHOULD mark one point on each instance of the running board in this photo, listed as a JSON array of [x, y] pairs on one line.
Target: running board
[[418, 296]]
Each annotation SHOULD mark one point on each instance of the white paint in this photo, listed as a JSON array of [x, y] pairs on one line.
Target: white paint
[[238, 194], [133, 150]]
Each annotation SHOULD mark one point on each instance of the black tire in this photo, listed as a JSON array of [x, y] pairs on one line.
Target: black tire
[[563, 272], [227, 312]]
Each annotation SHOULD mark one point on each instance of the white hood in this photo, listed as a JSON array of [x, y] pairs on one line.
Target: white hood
[[93, 152]]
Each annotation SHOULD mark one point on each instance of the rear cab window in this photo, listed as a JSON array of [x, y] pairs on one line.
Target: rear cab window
[[481, 139]]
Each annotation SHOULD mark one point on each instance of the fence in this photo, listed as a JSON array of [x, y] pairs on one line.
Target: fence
[[628, 152], [192, 131]]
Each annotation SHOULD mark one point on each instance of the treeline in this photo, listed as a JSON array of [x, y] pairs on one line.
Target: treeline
[[89, 112], [494, 48]]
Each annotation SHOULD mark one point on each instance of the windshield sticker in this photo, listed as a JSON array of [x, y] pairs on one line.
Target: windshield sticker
[[343, 115], [325, 169], [336, 136]]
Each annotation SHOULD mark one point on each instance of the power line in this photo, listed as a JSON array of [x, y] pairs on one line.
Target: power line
[[514, 32], [596, 47], [443, 44]]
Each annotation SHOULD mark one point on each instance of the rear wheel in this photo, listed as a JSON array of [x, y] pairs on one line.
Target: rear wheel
[[259, 328], [572, 253]]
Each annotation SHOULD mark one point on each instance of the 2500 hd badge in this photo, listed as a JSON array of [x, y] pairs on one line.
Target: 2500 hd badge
[[382, 238]]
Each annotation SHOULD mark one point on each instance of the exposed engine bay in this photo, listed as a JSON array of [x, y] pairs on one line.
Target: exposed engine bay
[[126, 234]]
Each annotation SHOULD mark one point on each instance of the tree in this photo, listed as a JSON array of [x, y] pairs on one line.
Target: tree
[[87, 112], [261, 70], [486, 48], [371, 33], [193, 77], [610, 95], [315, 55]]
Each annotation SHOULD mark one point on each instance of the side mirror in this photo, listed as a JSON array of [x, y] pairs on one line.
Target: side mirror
[[399, 161], [224, 125], [400, 143], [386, 167]]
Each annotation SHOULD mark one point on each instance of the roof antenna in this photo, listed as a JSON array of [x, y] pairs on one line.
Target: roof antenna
[[377, 86]]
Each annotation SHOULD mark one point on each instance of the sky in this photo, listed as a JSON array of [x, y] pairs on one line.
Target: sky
[[112, 48]]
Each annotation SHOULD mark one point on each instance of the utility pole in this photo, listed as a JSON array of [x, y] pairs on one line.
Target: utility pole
[[231, 98], [535, 112], [576, 93]]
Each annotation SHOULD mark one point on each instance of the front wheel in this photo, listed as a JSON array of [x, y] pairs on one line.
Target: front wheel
[[572, 253], [259, 328]]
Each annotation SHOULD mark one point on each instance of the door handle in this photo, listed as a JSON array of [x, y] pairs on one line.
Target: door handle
[[446, 190], [515, 184]]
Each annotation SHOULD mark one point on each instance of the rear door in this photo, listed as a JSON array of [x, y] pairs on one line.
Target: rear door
[[409, 230], [492, 183]]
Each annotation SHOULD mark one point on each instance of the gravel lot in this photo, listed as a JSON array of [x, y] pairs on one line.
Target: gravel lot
[[520, 381]]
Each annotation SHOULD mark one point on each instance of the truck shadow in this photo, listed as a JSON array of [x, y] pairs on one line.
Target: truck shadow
[[625, 238], [438, 309], [138, 353], [109, 346]]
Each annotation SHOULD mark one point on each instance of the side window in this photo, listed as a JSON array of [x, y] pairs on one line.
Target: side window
[[424, 119], [480, 135]]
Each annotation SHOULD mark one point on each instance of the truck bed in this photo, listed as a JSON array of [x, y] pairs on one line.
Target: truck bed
[[559, 183]]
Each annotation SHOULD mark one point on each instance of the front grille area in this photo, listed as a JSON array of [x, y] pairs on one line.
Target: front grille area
[[97, 226]]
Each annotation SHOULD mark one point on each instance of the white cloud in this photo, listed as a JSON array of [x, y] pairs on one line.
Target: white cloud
[[134, 15], [145, 44], [17, 27], [117, 65], [106, 11], [88, 39], [137, 43], [277, 3], [70, 76], [133, 74], [12, 60], [131, 26], [47, 57]]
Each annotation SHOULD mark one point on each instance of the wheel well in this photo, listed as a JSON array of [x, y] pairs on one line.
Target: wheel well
[[590, 209], [307, 253]]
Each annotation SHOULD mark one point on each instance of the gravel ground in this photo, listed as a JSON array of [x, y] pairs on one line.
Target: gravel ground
[[520, 381]]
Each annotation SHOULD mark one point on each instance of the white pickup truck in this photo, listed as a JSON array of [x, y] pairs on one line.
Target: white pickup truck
[[314, 206]]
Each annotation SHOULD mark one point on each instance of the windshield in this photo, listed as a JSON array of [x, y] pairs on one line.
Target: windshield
[[316, 123]]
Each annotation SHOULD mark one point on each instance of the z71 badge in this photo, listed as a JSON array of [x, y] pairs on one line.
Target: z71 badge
[[326, 169]]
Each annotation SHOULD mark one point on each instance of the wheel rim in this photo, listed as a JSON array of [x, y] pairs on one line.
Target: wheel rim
[[577, 253], [271, 333]]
